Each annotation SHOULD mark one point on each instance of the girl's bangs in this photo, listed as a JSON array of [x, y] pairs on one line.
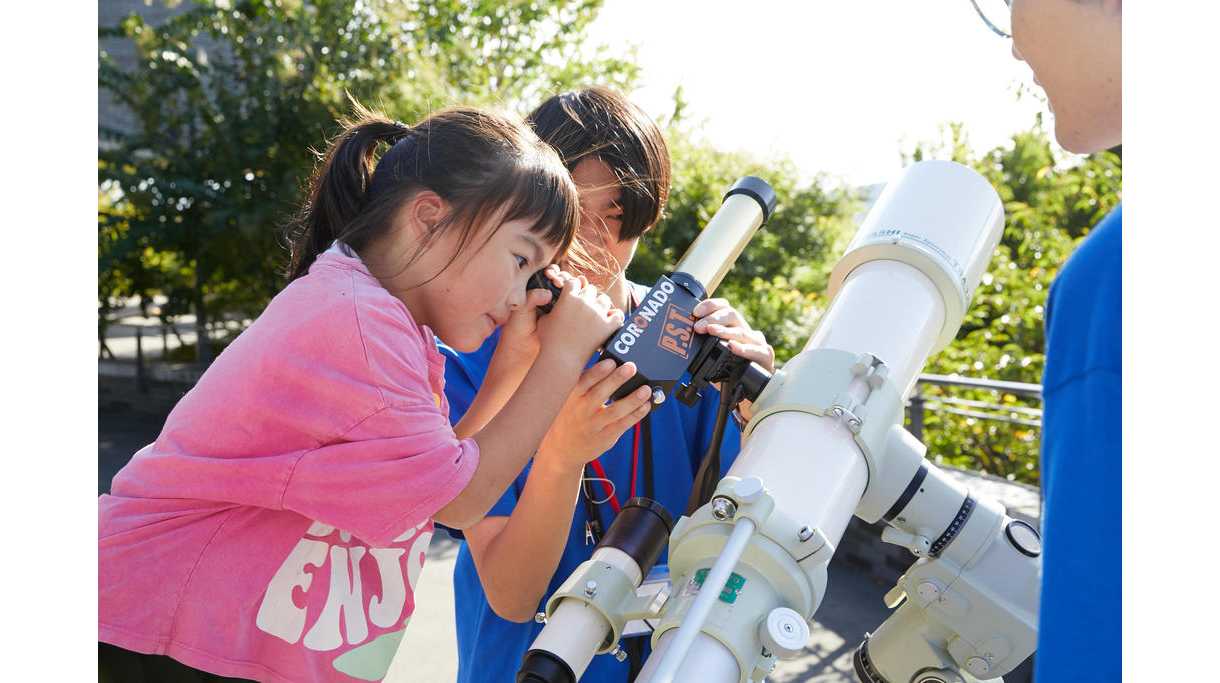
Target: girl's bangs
[[540, 194]]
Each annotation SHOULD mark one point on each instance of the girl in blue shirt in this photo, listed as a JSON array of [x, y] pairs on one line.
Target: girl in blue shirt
[[550, 519]]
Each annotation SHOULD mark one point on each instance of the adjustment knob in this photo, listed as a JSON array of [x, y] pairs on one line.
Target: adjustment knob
[[784, 633], [748, 490], [978, 666]]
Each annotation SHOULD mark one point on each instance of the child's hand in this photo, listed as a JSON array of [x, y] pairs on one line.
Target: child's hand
[[586, 427], [582, 319], [719, 319], [519, 335]]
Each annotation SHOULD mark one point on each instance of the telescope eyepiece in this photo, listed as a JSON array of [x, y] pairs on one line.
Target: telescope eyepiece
[[539, 280]]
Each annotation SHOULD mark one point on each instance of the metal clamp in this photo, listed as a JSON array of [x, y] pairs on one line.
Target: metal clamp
[[605, 588], [818, 382]]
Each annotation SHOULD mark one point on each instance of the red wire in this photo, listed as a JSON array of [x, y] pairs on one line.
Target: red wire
[[635, 456]]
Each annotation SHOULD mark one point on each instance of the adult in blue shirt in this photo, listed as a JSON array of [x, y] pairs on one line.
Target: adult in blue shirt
[[1074, 48], [549, 520]]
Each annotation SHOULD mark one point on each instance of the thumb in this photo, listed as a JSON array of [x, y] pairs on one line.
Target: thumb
[[526, 315], [535, 298]]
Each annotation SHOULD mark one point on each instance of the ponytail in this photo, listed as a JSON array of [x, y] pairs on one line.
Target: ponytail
[[338, 188]]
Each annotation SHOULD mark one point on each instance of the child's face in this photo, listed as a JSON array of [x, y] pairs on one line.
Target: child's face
[[601, 218], [486, 281], [1074, 48]]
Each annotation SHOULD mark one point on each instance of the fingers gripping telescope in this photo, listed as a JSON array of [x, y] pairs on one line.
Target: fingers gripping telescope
[[826, 442]]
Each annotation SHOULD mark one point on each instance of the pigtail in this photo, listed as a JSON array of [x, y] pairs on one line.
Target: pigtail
[[338, 188]]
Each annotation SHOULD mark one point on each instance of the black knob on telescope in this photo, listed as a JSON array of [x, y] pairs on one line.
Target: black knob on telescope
[[757, 189]]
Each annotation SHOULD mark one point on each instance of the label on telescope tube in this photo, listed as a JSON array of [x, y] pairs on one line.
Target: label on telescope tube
[[732, 587], [895, 236]]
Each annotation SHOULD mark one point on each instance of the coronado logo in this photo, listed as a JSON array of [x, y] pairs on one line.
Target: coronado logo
[[643, 316]]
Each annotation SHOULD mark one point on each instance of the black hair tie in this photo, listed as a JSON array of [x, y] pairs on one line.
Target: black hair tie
[[390, 167]]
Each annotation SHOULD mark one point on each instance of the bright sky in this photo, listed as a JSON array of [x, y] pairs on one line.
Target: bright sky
[[839, 86]]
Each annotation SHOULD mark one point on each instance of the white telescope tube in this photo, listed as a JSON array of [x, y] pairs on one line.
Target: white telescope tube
[[940, 217], [706, 660], [746, 207], [583, 631], [899, 294], [876, 300], [582, 628], [812, 465], [708, 593], [905, 280]]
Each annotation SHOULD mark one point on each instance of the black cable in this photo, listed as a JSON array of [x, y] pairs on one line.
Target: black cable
[[635, 655], [709, 469]]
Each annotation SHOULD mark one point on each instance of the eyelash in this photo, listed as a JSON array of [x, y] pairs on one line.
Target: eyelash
[[522, 262]]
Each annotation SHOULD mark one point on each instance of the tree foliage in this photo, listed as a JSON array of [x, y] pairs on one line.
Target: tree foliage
[[230, 99]]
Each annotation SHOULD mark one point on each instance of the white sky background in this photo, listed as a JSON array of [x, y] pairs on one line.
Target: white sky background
[[838, 86]]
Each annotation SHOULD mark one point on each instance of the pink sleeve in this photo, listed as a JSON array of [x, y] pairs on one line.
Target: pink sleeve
[[392, 472], [401, 464]]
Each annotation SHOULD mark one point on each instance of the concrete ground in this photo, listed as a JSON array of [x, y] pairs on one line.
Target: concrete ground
[[429, 647]]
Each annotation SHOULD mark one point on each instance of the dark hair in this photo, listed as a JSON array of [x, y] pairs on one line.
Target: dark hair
[[601, 123], [479, 162]]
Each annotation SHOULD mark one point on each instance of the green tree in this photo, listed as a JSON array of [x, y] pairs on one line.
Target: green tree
[[231, 98]]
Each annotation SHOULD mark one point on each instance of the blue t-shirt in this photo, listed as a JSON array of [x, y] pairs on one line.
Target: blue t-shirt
[[1080, 629], [491, 648]]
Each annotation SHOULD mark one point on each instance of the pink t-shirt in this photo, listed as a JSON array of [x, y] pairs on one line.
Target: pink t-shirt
[[276, 528]]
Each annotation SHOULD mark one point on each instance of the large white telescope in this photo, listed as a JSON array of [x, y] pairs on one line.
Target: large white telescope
[[826, 442]]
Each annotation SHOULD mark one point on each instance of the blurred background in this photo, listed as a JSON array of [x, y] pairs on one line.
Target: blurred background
[[209, 113]]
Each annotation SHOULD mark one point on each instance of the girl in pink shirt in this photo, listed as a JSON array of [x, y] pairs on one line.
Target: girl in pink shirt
[[277, 526]]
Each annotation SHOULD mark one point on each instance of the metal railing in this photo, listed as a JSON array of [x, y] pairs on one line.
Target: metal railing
[[920, 403]]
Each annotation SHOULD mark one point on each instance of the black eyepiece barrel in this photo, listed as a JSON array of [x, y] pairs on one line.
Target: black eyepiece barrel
[[641, 530], [540, 666], [757, 189], [539, 280]]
